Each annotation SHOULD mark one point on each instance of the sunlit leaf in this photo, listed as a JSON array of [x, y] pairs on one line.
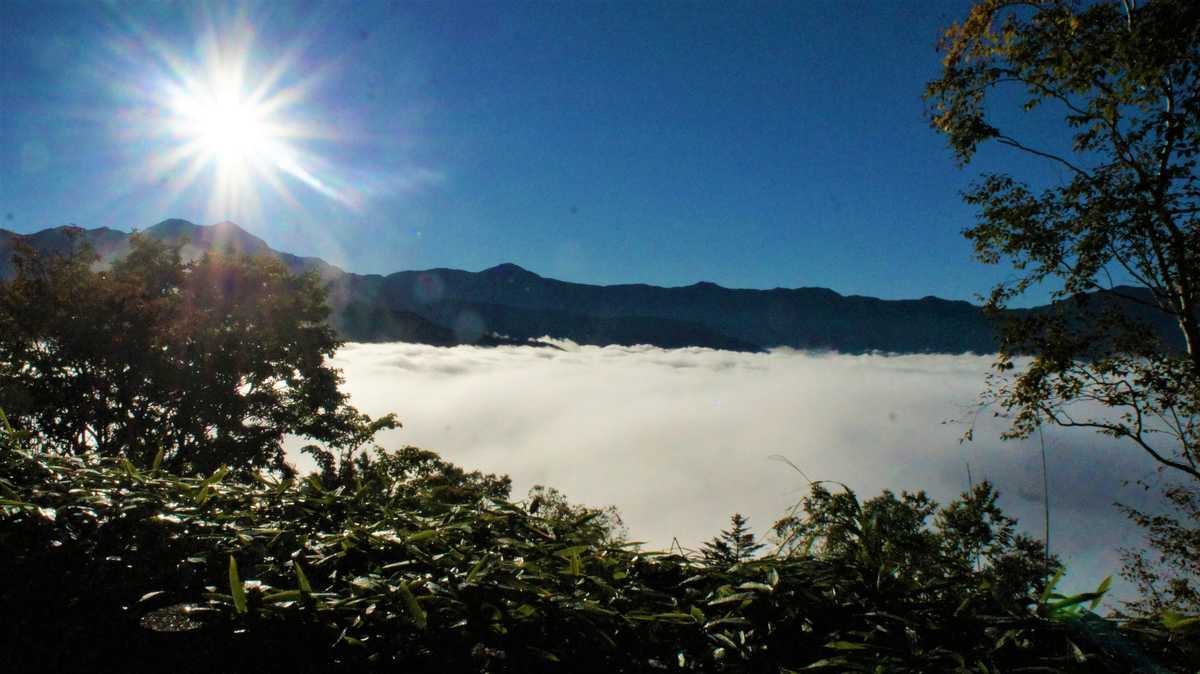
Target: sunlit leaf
[[415, 612], [236, 589]]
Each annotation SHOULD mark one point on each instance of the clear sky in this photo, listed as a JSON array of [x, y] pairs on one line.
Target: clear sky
[[750, 144]]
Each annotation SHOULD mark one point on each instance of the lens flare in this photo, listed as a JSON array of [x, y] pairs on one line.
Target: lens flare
[[229, 129], [232, 122]]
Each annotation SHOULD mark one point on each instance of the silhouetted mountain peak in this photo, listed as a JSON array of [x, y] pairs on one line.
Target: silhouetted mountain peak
[[222, 236], [508, 269], [228, 226], [172, 228]]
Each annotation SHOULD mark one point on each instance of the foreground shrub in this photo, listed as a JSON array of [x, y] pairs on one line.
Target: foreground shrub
[[414, 565]]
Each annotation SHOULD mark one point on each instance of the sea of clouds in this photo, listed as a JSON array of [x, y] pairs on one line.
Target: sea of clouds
[[680, 439]]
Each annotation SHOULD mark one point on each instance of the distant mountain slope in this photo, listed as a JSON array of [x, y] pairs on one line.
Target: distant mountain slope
[[451, 306]]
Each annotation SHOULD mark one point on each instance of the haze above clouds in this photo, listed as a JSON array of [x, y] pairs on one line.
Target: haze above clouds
[[680, 439]]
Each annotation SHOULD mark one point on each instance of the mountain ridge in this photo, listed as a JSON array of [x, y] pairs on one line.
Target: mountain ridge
[[507, 303]]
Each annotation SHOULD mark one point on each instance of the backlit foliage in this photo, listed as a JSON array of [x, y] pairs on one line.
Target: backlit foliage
[[211, 361]]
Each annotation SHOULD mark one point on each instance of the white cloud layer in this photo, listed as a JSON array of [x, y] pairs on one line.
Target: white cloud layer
[[680, 439]]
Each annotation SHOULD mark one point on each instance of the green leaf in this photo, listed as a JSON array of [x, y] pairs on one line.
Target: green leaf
[[1076, 652], [8, 429], [477, 569], [414, 609], [1073, 601], [724, 638], [1101, 591], [846, 646], [218, 475], [421, 535], [1178, 622], [1049, 591], [574, 550], [206, 487], [158, 459], [236, 589], [523, 611], [740, 596], [673, 617], [286, 595], [574, 566], [305, 586], [731, 621]]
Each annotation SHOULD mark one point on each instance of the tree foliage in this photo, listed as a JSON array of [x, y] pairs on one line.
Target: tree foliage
[[733, 545], [1124, 80], [554, 508], [968, 537], [1168, 574], [210, 362], [1117, 239]]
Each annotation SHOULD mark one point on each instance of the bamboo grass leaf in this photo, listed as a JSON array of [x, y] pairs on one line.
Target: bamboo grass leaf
[[419, 618], [1101, 591], [846, 646], [236, 589], [301, 578]]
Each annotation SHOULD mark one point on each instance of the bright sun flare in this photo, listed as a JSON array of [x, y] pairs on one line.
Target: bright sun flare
[[231, 130], [235, 125]]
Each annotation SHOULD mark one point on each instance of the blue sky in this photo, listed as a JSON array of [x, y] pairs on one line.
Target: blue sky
[[750, 144]]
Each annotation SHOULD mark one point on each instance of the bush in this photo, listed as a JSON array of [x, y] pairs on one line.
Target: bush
[[416, 565]]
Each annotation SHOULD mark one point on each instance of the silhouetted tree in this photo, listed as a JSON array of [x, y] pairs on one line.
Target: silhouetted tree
[[599, 524], [732, 545], [969, 540], [210, 362], [1167, 574], [1122, 79]]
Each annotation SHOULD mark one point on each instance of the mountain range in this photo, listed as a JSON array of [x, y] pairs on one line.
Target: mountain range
[[508, 304]]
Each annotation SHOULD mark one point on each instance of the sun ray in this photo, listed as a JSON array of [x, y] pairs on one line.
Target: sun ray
[[224, 115]]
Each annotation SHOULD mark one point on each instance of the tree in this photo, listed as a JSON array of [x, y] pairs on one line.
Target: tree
[[733, 545], [210, 362], [970, 542], [1117, 239], [551, 506], [396, 474], [1126, 81], [1168, 579]]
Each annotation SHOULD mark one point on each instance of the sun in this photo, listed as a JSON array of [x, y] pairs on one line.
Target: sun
[[232, 130], [227, 128], [228, 119]]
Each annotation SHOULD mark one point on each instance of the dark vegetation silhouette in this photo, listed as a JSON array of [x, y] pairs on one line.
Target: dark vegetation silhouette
[[148, 520], [210, 362], [733, 545], [411, 563], [1119, 82], [384, 560]]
